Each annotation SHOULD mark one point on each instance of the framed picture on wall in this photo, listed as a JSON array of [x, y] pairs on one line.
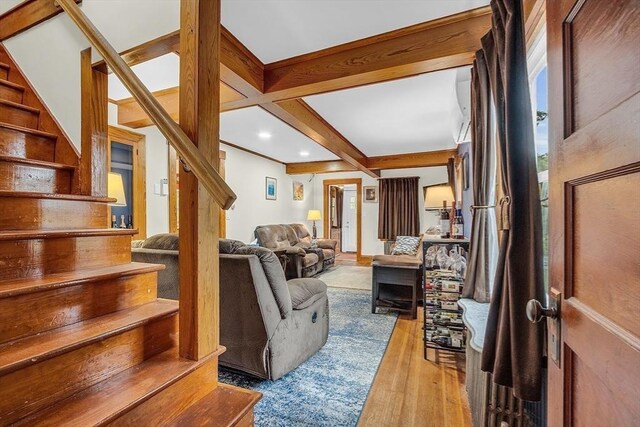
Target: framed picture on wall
[[370, 194], [271, 188], [465, 171], [298, 191]]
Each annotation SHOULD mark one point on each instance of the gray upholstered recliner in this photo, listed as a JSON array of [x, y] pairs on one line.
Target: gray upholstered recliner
[[295, 241], [269, 325]]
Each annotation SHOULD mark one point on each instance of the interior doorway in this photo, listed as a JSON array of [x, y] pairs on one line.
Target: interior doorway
[[343, 217], [126, 156]]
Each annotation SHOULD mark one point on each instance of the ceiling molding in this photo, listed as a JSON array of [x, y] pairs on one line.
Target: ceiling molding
[[435, 45], [396, 161]]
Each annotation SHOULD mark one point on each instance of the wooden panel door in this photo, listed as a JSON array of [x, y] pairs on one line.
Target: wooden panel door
[[594, 87]]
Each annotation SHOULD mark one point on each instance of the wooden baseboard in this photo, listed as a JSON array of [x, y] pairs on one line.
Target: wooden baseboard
[[365, 260]]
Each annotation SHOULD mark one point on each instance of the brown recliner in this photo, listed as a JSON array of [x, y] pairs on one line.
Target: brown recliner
[[295, 243]]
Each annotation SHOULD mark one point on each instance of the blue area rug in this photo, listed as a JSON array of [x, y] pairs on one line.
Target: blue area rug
[[331, 387]]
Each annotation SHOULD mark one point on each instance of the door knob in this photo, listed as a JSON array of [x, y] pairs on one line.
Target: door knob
[[536, 312]]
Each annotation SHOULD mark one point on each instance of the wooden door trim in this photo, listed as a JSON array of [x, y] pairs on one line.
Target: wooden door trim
[[325, 205], [138, 142]]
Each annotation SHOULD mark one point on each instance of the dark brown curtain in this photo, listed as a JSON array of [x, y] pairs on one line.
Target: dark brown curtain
[[512, 349], [481, 263], [399, 214], [339, 206]]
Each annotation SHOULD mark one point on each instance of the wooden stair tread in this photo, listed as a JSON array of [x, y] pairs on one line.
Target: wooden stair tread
[[31, 131], [23, 352], [224, 406], [55, 196], [19, 106], [12, 85], [59, 234], [5, 66], [36, 163], [14, 287], [107, 400]]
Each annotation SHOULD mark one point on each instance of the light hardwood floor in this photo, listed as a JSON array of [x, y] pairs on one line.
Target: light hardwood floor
[[410, 391]]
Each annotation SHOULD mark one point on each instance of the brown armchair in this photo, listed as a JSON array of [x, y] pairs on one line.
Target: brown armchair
[[328, 246], [294, 242]]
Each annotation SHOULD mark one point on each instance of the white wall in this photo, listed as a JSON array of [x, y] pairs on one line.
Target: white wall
[[49, 53], [246, 173], [370, 243]]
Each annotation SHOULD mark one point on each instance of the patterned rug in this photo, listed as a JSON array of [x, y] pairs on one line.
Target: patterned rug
[[331, 387]]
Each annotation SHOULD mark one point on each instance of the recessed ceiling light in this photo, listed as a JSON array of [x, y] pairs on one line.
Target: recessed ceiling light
[[264, 135], [304, 153]]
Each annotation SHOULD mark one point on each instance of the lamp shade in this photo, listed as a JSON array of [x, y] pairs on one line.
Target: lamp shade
[[314, 215], [115, 189], [436, 194]]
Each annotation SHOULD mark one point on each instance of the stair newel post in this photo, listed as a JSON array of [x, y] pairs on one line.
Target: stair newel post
[[199, 227], [91, 178]]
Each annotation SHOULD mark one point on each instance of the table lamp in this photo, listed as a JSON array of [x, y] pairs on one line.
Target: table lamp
[[314, 215], [115, 189]]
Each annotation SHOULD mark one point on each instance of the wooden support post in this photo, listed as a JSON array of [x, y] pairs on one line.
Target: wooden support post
[[92, 179], [199, 227]]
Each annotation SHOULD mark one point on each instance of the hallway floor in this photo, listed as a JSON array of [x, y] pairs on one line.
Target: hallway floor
[[410, 391]]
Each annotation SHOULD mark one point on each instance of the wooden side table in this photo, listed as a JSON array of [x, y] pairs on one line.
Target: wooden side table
[[390, 276]]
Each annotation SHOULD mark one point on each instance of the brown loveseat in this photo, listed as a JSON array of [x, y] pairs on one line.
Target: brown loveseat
[[294, 241]]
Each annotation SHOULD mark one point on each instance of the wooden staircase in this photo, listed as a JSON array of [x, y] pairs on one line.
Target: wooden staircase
[[84, 340]]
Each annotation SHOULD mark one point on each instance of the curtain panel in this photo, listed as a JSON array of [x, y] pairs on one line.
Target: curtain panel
[[512, 349], [483, 250], [398, 210]]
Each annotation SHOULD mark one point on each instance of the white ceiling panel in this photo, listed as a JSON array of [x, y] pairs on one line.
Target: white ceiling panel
[[159, 73], [279, 29], [245, 127], [402, 116]]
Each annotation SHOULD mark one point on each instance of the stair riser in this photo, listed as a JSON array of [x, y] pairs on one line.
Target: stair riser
[[40, 385], [37, 257], [173, 399], [11, 93], [22, 177], [4, 73], [61, 307], [14, 143], [19, 117], [28, 213]]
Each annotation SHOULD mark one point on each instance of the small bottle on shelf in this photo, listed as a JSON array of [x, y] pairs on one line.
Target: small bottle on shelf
[[114, 223], [458, 225], [130, 221], [444, 221], [122, 223]]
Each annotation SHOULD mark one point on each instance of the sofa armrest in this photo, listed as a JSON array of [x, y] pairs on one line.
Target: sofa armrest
[[294, 250], [327, 244]]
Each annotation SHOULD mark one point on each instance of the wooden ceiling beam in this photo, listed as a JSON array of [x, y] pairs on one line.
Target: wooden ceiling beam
[[396, 161], [27, 14], [300, 116], [435, 45], [130, 113]]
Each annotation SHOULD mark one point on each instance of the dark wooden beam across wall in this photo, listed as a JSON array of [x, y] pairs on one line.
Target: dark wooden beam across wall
[[27, 14], [396, 161], [435, 45]]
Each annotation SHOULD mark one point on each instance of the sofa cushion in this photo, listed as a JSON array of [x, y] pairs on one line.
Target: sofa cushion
[[406, 245], [396, 261], [275, 236], [229, 246], [328, 253], [274, 273], [310, 259], [163, 241], [305, 292]]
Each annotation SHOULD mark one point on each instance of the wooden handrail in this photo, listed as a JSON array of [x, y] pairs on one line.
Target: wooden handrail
[[200, 166]]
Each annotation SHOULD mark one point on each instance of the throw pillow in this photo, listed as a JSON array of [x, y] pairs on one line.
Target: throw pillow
[[406, 245], [164, 241]]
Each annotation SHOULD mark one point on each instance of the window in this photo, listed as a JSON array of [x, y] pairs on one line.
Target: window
[[539, 95]]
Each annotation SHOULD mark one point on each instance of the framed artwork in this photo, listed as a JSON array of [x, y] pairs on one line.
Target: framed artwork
[[465, 171], [298, 191], [370, 194], [271, 188]]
